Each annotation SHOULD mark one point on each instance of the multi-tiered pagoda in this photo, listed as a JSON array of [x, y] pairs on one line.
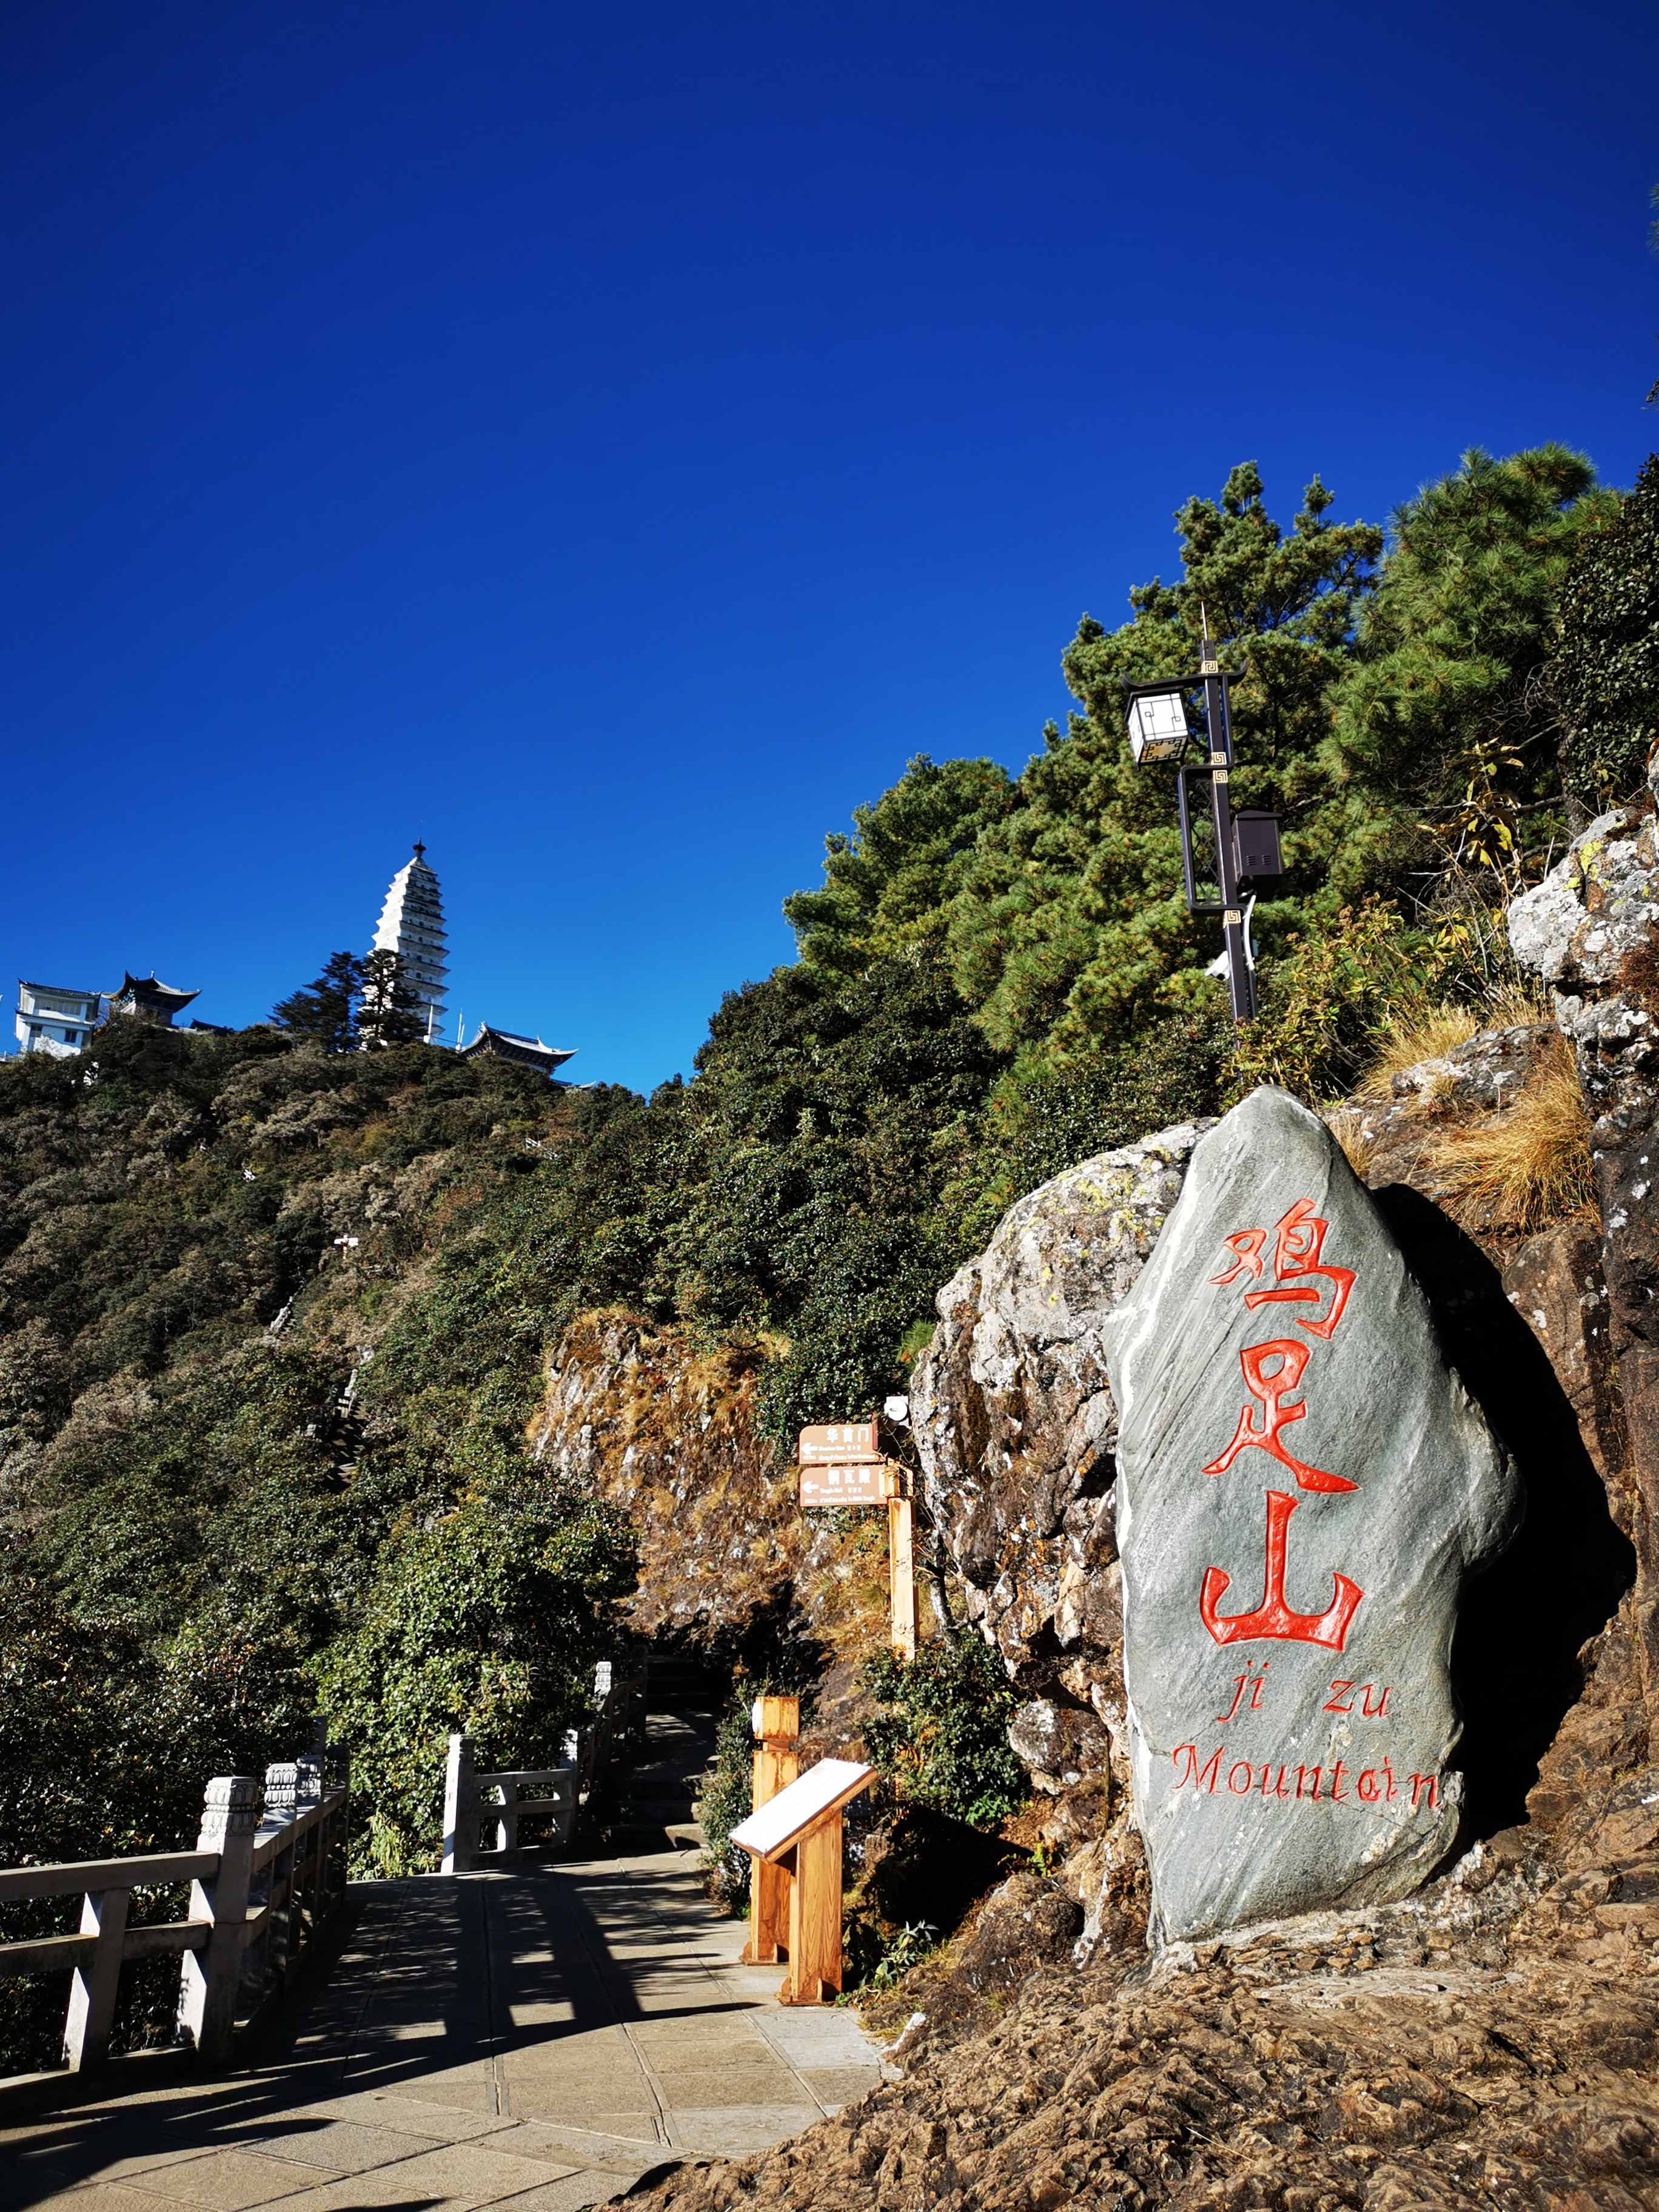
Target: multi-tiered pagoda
[[412, 925]]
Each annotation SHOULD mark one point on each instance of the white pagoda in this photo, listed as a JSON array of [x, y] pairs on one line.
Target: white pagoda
[[412, 925]]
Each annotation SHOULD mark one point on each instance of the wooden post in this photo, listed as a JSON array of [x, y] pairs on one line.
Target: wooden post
[[815, 1916], [208, 1981], [460, 1807], [92, 1993], [776, 1722], [901, 1577]]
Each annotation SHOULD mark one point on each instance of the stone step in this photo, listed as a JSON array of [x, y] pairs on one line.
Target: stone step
[[639, 1838]]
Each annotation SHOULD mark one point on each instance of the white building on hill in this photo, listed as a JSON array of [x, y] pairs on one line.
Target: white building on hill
[[412, 925], [55, 1019]]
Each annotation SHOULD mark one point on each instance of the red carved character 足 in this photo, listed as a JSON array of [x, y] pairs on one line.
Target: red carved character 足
[[1272, 1385]]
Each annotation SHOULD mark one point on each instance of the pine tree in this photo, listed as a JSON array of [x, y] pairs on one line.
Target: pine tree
[[1071, 922], [1605, 677], [1436, 741], [327, 1009], [889, 885], [389, 1013]]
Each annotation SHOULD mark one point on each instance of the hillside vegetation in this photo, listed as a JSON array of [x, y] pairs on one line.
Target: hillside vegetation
[[997, 977]]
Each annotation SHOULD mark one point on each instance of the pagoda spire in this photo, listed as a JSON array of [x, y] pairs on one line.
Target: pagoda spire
[[411, 925]]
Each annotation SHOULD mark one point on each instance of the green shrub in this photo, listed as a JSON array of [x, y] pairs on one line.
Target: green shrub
[[728, 1799], [941, 1739], [487, 1620], [1606, 673]]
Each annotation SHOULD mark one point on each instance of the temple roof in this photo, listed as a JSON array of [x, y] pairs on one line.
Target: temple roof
[[154, 993], [530, 1052]]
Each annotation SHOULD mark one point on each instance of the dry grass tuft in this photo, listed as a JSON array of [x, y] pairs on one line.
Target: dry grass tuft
[[1426, 1032], [1529, 1165], [1347, 1126]]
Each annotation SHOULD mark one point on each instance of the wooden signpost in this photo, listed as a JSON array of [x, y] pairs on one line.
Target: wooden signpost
[[900, 1576], [836, 1444], [799, 1831], [842, 1463]]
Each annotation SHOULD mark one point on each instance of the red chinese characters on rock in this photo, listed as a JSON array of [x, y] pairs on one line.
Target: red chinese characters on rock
[[1271, 1386], [1274, 1374]]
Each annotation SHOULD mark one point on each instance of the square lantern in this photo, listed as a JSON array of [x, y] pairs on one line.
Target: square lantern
[[1158, 727]]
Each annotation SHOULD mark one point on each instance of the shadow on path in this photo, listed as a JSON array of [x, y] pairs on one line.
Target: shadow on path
[[536, 2037]]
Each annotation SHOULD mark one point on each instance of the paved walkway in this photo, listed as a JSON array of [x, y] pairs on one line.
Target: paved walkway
[[536, 2039]]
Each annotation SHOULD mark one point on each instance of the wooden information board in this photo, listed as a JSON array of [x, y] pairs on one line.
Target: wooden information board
[[800, 1831], [867, 1482], [838, 1443]]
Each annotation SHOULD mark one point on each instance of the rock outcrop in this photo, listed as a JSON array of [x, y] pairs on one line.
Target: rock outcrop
[[1015, 1430], [1591, 932], [1015, 1433]]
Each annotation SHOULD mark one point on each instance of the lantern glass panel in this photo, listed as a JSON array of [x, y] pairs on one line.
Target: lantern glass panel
[[1157, 728]]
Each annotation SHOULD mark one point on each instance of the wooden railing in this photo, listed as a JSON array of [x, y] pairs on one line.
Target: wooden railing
[[268, 1870], [474, 1802]]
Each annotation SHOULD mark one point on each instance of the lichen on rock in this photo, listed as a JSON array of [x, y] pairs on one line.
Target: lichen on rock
[[1015, 1431]]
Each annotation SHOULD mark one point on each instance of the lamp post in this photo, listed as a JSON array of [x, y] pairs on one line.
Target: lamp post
[[1246, 845]]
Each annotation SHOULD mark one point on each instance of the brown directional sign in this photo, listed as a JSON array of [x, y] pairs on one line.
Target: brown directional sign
[[867, 1482], [839, 1444]]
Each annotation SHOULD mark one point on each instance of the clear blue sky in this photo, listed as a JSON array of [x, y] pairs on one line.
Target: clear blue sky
[[608, 441]]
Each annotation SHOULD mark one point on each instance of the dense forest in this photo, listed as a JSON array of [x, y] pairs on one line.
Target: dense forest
[[251, 1471]]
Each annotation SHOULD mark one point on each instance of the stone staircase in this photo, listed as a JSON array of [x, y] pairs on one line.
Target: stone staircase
[[654, 1805]]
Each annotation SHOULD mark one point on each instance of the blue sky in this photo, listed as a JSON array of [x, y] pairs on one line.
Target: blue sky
[[608, 442]]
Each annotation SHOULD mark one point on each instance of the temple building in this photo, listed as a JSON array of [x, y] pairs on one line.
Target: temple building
[[54, 1018], [149, 1001], [528, 1052], [412, 925], [59, 1019]]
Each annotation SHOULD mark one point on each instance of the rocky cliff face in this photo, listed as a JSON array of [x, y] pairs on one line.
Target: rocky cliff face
[[729, 1567], [1590, 931]]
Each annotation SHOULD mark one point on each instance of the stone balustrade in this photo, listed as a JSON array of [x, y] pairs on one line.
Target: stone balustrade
[[267, 1872], [474, 1802]]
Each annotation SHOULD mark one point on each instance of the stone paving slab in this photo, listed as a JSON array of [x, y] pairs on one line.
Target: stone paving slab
[[534, 2039]]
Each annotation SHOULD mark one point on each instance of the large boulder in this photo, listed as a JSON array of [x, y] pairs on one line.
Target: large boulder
[[1303, 1487]]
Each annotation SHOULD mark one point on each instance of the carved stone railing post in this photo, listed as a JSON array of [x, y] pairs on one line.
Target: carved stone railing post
[[308, 1901], [460, 1807], [208, 1982], [92, 1993], [272, 1953], [309, 1767]]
